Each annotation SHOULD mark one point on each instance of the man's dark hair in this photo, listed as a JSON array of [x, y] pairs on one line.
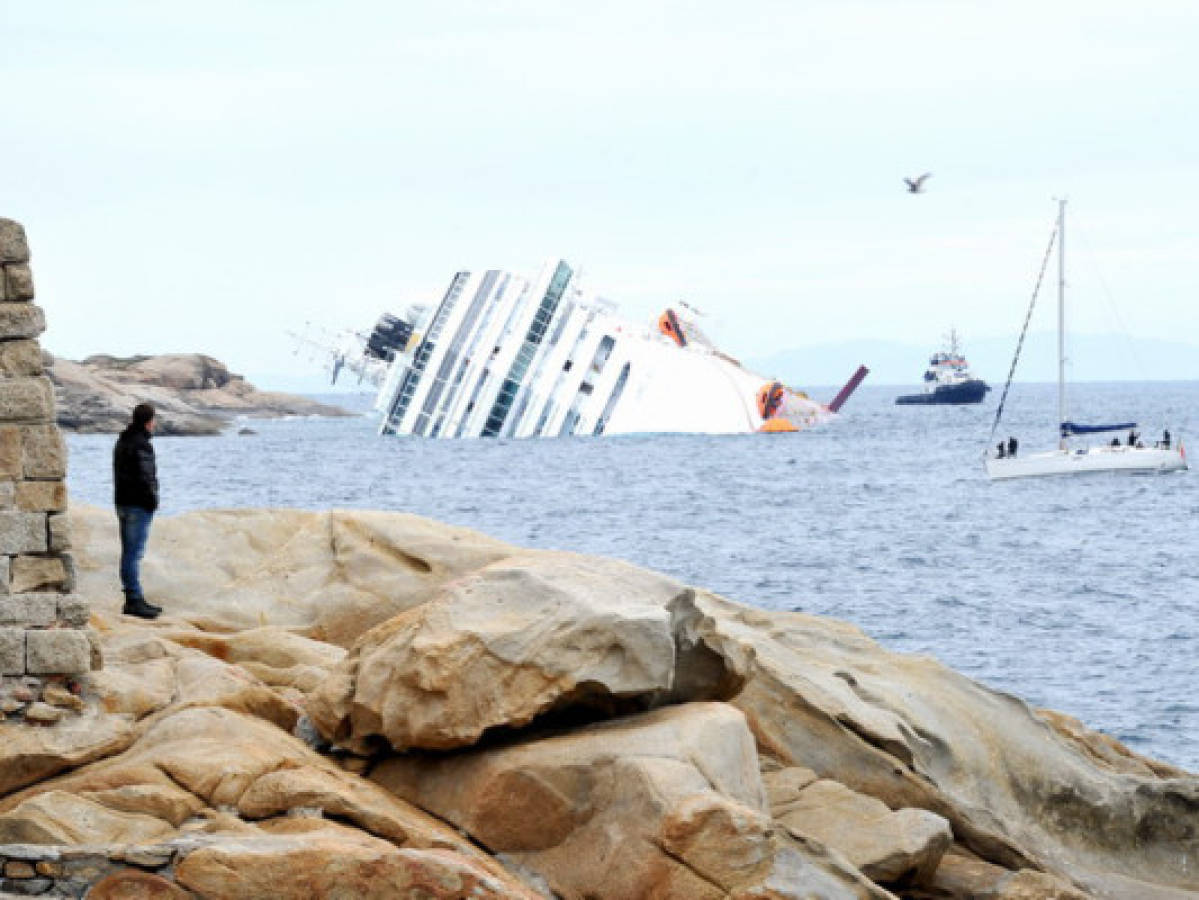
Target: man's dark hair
[[142, 413]]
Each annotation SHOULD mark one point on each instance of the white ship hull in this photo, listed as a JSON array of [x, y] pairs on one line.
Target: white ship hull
[[507, 356], [1094, 459]]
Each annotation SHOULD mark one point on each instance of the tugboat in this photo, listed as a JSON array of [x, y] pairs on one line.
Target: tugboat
[[948, 379]]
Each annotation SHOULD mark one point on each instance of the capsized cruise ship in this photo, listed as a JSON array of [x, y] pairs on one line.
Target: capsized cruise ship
[[504, 355]]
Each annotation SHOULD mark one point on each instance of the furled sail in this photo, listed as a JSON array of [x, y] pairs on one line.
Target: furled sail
[[1071, 428]]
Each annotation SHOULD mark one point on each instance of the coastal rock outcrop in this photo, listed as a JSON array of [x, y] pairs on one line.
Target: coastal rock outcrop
[[589, 729], [193, 393], [913, 733]]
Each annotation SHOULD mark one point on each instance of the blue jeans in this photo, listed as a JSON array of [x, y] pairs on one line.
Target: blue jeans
[[135, 531]]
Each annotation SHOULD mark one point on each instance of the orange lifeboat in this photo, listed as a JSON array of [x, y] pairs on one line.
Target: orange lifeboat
[[777, 426], [770, 398]]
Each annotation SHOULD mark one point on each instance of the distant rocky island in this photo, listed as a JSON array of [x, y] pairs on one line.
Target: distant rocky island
[[194, 394]]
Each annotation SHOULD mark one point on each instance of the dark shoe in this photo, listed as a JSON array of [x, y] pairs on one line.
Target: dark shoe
[[137, 606], [133, 600]]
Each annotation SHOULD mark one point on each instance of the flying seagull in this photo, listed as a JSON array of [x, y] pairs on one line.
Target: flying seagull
[[916, 185]]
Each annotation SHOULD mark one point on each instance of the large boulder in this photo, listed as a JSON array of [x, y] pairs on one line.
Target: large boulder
[[518, 639], [330, 575], [663, 804]]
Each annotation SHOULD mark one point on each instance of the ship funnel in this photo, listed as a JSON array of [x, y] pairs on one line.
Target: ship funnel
[[850, 387]]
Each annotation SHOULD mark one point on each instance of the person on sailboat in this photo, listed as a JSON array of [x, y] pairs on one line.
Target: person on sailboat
[[1011, 446], [1132, 438], [1166, 438], [1000, 452]]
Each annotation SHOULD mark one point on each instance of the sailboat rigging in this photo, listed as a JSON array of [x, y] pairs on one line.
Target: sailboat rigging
[[1132, 456]]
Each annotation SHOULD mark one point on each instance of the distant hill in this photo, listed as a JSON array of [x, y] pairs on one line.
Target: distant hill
[[1092, 357]]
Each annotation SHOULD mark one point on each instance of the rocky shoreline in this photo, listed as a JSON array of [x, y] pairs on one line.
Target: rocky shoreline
[[194, 394], [385, 706]]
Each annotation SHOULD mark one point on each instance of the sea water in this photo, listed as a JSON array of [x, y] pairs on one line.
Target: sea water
[[1079, 593]]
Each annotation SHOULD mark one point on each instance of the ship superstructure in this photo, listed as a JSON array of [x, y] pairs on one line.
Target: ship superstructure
[[504, 355]]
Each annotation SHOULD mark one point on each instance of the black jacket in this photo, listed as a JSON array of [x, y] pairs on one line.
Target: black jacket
[[134, 474]]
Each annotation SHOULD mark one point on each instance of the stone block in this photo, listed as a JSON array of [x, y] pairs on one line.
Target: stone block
[[29, 398], [12, 651], [29, 610], [73, 610], [8, 495], [33, 852], [21, 320], [87, 867], [14, 247], [18, 868], [12, 612], [60, 531], [18, 282], [44, 452], [41, 713], [22, 357], [41, 496], [5, 574], [57, 651], [12, 452], [24, 887], [72, 574], [23, 532], [38, 573]]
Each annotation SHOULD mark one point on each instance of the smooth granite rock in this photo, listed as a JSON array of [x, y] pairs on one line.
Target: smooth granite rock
[[515, 640]]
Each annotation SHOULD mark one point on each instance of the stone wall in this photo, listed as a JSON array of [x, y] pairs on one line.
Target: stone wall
[[43, 626]]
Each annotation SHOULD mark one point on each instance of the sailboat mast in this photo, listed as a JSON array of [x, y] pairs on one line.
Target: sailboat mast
[[1061, 317]]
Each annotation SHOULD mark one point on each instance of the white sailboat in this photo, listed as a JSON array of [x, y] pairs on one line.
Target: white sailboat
[[1130, 456]]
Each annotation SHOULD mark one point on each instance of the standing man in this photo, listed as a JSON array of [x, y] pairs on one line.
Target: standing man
[[135, 477]]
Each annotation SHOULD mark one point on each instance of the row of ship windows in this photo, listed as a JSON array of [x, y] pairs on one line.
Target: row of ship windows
[[517, 371]]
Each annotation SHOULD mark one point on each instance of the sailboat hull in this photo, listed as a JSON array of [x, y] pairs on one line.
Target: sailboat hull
[[1094, 459]]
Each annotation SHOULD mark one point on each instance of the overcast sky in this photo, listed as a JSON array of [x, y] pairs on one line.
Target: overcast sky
[[201, 177]]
